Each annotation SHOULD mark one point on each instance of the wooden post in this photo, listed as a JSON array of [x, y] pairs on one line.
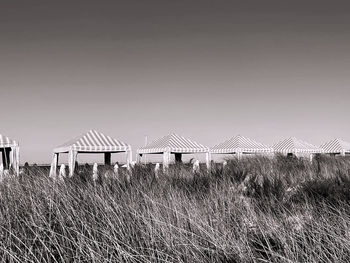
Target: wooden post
[[178, 157], [108, 158]]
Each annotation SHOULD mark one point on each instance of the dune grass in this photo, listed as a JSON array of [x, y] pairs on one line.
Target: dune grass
[[255, 210]]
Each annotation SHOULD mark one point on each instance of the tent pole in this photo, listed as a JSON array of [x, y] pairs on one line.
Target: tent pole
[[130, 156], [16, 159], [166, 160], [12, 159], [311, 157], [72, 157], [145, 157], [128, 159], [208, 160], [3, 157]]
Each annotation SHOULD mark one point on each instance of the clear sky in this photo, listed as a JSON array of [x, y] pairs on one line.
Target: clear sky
[[207, 70]]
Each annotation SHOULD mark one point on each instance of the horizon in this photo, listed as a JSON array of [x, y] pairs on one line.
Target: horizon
[[206, 71]]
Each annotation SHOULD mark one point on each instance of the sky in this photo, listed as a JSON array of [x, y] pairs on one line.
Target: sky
[[207, 70]]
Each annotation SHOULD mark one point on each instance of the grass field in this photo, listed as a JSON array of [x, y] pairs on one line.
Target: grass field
[[255, 210]]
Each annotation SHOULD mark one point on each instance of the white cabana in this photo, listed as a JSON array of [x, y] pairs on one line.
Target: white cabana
[[296, 147], [10, 153], [91, 142], [336, 146], [173, 144], [240, 145]]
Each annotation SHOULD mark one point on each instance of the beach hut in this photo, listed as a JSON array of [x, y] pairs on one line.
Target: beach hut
[[297, 147], [336, 146], [91, 142], [173, 144], [10, 153], [240, 145]]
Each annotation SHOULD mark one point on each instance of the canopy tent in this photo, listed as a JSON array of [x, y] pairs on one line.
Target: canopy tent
[[240, 145], [91, 142], [10, 153], [173, 144], [297, 147], [336, 146]]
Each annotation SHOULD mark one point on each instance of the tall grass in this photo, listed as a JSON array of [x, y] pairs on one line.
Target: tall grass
[[254, 210]]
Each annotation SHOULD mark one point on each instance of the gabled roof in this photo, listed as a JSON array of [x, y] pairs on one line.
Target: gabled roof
[[7, 142], [294, 145], [240, 144], [173, 143], [93, 141], [336, 146]]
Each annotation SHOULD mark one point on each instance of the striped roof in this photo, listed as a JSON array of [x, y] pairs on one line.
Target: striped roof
[[294, 145], [7, 142], [336, 146], [173, 143], [240, 144], [93, 141]]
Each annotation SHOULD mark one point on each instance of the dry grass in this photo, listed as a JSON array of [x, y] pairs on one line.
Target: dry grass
[[256, 210]]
